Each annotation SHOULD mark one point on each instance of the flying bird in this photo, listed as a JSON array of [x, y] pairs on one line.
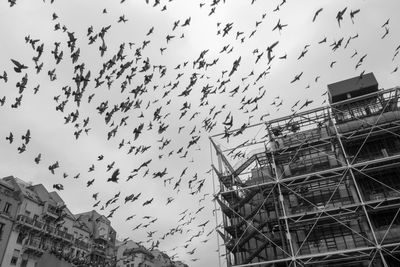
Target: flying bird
[[339, 15], [297, 77], [316, 14], [114, 177], [353, 13], [38, 158], [10, 137], [18, 66]]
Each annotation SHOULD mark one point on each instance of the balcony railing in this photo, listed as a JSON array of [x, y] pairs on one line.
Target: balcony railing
[[68, 236], [49, 229], [99, 249], [8, 213], [33, 246], [42, 226], [38, 224], [25, 220], [81, 244], [52, 209], [52, 212]]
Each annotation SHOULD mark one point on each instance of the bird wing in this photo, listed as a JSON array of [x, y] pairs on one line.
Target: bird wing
[[16, 63]]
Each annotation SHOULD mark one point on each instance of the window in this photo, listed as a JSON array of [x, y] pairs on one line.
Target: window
[[14, 261], [15, 256], [7, 207], [20, 238], [35, 217], [1, 230]]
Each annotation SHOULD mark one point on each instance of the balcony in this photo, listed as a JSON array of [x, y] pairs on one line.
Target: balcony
[[22, 219], [101, 239], [49, 229], [64, 235], [6, 214], [68, 237], [29, 222], [44, 227], [34, 247], [60, 233], [51, 212], [81, 244], [99, 249], [37, 224]]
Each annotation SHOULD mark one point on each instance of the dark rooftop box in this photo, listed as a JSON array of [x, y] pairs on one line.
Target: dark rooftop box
[[353, 87]]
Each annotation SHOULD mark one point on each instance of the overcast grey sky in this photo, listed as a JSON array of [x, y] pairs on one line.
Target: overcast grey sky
[[56, 142]]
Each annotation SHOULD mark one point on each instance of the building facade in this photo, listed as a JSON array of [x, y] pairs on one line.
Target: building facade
[[161, 259], [82, 244], [103, 238], [39, 230], [120, 251], [8, 209], [41, 225], [132, 254], [323, 186], [139, 256]]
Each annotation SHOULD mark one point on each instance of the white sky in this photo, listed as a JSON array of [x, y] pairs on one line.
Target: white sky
[[56, 142]]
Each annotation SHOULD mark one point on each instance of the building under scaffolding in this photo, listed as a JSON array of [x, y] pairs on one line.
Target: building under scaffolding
[[321, 188]]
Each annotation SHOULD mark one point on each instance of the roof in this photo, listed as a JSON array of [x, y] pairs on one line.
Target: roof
[[7, 184], [81, 225], [128, 244], [90, 214], [367, 83], [43, 194], [36, 192], [93, 215], [157, 252], [139, 250], [24, 187], [56, 197]]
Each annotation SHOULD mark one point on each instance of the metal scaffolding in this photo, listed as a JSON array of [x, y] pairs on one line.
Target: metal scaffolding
[[319, 188]]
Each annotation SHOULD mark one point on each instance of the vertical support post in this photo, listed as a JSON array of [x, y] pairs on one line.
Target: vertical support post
[[278, 177], [362, 203], [215, 208]]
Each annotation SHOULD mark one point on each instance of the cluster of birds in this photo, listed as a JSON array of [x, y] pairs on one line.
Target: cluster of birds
[[135, 77]]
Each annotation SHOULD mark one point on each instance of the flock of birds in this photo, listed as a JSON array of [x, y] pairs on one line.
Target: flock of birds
[[130, 73]]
